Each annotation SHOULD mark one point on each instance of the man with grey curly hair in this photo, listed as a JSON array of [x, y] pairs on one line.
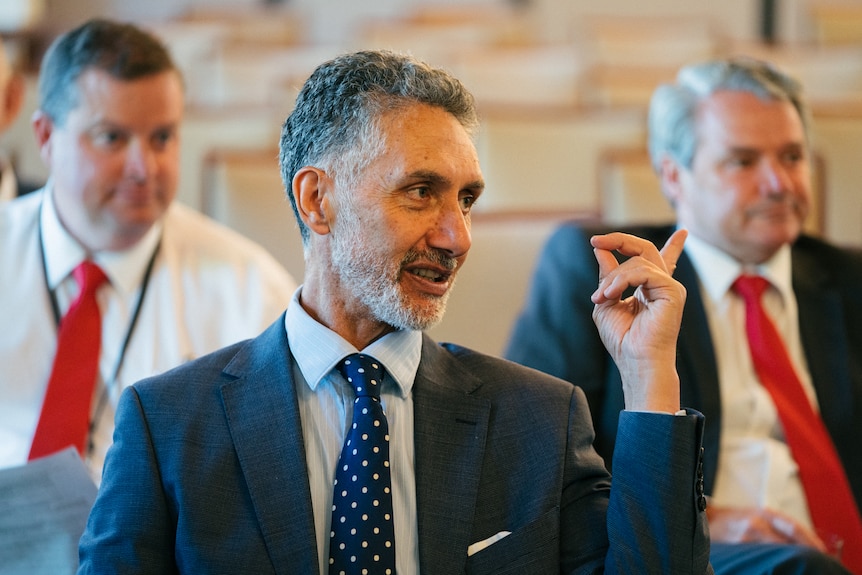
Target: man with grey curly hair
[[258, 458], [730, 142]]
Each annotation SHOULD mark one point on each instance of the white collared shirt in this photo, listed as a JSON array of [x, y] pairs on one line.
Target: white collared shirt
[[755, 467], [326, 410], [209, 287]]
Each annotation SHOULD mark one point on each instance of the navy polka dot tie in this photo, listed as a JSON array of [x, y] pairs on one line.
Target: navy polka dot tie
[[362, 538]]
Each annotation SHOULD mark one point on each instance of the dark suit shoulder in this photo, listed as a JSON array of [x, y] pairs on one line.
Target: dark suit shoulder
[[586, 229], [818, 263], [188, 401], [188, 378], [575, 235], [811, 246], [247, 356]]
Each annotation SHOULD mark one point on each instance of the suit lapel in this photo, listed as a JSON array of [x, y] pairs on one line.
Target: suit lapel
[[696, 364], [262, 413], [821, 327], [450, 431]]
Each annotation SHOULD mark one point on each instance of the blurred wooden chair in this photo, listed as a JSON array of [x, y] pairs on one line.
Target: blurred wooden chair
[[836, 22], [629, 190], [829, 74], [616, 86], [837, 136], [234, 127], [243, 190], [627, 57], [539, 75], [441, 33], [259, 25], [544, 159], [241, 56]]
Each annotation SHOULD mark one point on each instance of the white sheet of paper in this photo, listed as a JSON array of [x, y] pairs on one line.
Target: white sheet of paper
[[43, 510]]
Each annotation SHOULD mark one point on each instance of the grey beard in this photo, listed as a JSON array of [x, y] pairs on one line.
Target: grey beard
[[375, 283]]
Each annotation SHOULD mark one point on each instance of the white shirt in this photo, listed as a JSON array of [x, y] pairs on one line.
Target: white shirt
[[326, 410], [755, 467], [209, 287]]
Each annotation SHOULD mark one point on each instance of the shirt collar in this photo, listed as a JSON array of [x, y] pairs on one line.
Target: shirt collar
[[124, 268], [318, 350], [717, 270]]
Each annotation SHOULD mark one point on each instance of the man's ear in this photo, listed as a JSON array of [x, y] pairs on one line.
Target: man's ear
[[43, 126], [670, 174], [312, 189]]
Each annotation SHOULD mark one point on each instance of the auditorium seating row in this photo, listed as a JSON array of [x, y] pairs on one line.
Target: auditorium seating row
[[563, 130]]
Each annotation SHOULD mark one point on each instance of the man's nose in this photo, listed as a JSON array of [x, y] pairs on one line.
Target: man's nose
[[452, 231], [775, 178], [140, 161]]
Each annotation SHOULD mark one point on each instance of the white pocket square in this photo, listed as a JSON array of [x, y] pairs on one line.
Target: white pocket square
[[479, 545]]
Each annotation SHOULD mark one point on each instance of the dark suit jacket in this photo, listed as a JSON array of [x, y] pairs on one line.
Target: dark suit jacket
[[207, 474], [555, 333]]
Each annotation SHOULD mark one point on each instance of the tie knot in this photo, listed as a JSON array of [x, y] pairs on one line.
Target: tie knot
[[364, 373], [749, 287], [89, 276]]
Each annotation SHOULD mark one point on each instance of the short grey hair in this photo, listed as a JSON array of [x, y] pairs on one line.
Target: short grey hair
[[123, 50], [335, 123], [673, 109]]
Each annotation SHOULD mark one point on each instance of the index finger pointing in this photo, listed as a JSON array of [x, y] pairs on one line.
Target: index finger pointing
[[673, 249]]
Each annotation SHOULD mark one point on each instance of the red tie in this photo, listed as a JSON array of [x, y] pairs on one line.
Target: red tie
[[830, 500], [65, 414]]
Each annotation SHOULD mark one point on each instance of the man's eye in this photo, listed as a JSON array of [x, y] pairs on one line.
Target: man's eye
[[793, 157], [162, 137], [108, 138], [419, 193], [741, 162], [467, 202]]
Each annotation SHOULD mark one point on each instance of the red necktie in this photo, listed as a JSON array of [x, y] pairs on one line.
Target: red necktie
[[65, 417], [830, 500]]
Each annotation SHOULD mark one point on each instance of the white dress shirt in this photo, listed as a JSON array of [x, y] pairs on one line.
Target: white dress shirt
[[326, 410], [208, 287], [755, 467]]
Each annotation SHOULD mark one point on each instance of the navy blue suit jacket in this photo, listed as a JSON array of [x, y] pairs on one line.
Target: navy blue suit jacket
[[207, 474], [555, 333]]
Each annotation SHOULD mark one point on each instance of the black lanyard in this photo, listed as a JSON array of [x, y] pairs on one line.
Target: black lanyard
[[55, 308]]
